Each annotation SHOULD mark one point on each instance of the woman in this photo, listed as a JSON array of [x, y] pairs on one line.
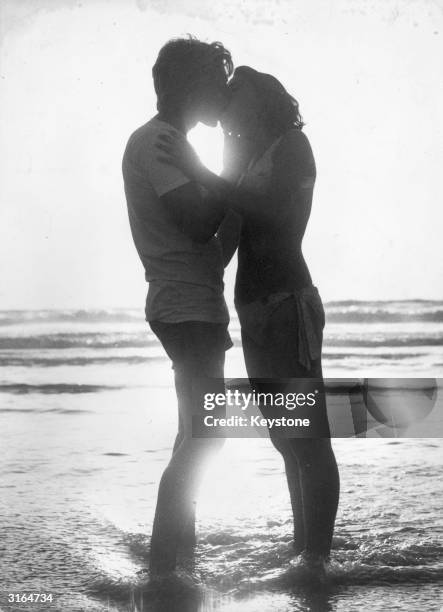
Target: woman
[[270, 172]]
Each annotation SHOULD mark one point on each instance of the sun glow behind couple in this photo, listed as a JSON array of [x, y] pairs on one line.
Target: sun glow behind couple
[[208, 142]]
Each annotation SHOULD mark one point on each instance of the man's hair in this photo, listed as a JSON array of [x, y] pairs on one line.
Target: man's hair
[[185, 63]]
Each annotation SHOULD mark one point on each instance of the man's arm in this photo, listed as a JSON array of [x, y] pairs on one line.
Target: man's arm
[[192, 213], [228, 235], [176, 151], [293, 176]]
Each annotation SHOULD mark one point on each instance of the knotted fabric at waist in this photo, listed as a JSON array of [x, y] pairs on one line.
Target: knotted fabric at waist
[[256, 320]]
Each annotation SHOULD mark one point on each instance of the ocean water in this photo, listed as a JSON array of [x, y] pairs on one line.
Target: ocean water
[[87, 421]]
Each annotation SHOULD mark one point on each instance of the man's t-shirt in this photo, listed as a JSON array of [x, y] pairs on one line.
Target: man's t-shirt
[[185, 277]]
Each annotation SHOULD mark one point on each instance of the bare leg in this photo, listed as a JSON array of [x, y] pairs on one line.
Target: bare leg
[[180, 481], [260, 363], [319, 481], [312, 475], [313, 483], [173, 503], [187, 538], [295, 492], [311, 469]]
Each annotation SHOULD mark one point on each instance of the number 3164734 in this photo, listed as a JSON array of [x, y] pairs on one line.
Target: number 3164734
[[30, 597]]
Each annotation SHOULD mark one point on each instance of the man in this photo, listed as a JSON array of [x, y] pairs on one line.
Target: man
[[174, 233]]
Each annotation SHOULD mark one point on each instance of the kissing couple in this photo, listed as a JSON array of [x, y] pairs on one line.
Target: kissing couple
[[187, 223]]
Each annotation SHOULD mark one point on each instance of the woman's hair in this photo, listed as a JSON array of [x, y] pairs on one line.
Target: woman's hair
[[185, 63], [280, 109]]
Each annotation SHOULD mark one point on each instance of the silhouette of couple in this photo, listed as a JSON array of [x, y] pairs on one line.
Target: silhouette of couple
[[187, 224]]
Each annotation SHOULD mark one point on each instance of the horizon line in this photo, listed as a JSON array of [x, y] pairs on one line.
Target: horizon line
[[139, 307]]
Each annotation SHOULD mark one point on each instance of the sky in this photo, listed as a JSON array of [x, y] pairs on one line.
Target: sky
[[75, 81]]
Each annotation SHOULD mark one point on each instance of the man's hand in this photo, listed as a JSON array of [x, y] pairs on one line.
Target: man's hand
[[177, 151]]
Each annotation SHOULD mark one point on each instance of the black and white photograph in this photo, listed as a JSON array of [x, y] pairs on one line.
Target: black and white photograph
[[221, 305]]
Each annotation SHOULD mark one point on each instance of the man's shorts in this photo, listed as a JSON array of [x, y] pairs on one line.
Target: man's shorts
[[198, 347]]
